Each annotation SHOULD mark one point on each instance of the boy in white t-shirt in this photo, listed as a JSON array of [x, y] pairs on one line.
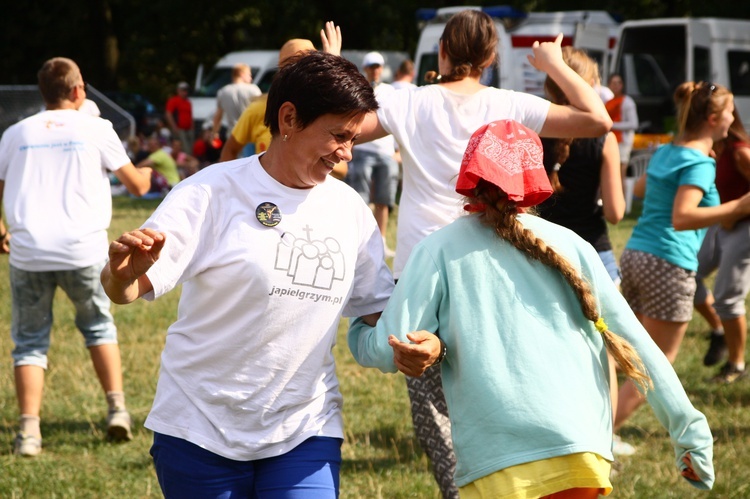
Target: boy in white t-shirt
[[55, 166]]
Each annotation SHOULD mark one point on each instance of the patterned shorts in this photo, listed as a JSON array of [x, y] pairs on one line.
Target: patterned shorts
[[655, 288]]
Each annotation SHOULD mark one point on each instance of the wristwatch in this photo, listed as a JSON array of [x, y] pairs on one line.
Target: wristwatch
[[443, 352]]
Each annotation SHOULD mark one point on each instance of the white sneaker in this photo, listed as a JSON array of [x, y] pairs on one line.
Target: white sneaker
[[620, 448], [389, 253], [118, 425], [27, 446]]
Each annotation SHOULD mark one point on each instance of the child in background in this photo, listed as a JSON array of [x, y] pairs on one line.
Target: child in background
[[660, 260], [726, 249]]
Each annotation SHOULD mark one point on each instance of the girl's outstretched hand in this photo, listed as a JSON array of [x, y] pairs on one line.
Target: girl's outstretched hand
[[689, 472], [414, 358]]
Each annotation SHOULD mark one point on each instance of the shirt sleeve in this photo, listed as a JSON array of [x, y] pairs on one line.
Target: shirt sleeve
[[688, 428], [373, 281], [220, 98], [413, 306], [629, 116], [701, 174], [113, 152], [531, 110], [393, 106], [5, 155], [171, 105], [243, 129], [185, 217]]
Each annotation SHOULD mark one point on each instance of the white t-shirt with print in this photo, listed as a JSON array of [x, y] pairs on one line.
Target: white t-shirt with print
[[248, 370], [432, 126], [57, 198]]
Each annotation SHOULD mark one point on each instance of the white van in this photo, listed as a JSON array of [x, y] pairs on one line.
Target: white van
[[262, 64], [654, 56], [594, 31]]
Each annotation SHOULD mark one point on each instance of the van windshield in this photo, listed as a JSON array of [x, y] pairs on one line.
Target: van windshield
[[217, 78], [652, 64]]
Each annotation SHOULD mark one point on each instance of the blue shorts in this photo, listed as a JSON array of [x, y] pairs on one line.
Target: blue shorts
[[374, 176], [32, 294], [309, 471]]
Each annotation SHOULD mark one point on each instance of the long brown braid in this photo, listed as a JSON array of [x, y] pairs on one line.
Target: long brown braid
[[500, 215]]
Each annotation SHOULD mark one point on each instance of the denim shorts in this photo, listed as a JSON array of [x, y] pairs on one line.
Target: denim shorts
[[309, 471], [32, 294], [610, 263], [374, 176]]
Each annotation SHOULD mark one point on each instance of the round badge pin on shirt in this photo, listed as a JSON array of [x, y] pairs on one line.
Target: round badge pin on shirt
[[268, 214]]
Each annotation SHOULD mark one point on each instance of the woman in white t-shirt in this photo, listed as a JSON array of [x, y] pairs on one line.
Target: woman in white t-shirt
[[432, 126], [270, 253]]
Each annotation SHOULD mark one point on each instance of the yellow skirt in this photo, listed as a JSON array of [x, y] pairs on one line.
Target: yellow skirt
[[542, 478]]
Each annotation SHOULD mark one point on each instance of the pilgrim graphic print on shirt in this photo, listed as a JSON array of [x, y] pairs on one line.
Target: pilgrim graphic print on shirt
[[309, 263]]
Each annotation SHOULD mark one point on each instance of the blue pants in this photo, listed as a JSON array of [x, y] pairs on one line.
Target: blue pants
[[185, 470]]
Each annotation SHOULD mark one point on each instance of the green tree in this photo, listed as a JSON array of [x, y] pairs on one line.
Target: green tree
[[148, 46]]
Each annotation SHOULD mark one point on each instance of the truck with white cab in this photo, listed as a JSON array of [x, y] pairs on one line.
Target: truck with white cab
[[654, 56], [594, 31]]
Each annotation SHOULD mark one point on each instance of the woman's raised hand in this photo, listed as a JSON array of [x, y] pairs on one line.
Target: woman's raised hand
[[133, 253]]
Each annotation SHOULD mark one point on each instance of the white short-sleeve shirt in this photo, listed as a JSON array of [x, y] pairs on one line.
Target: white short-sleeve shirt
[[432, 126]]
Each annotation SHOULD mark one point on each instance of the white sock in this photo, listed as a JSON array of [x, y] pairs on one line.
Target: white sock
[[30, 425], [116, 400]]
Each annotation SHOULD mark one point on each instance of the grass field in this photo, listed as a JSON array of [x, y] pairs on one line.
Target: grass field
[[381, 456]]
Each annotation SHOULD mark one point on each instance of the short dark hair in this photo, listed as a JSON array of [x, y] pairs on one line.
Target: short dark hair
[[318, 83], [56, 78]]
